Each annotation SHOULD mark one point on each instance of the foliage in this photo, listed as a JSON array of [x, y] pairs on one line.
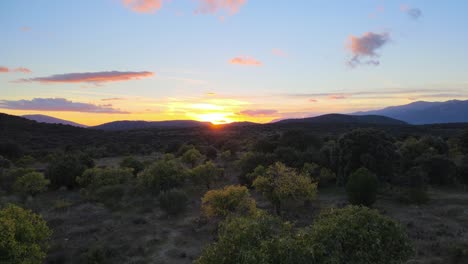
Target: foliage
[[192, 157], [258, 171], [173, 201], [299, 140], [370, 148], [289, 156], [281, 183], [131, 162], [31, 183], [10, 150], [109, 195], [249, 161], [362, 187], [440, 169], [205, 174], [326, 177], [162, 175], [23, 236], [229, 200], [356, 235], [63, 171], [9, 177], [225, 156], [25, 161], [210, 152], [4, 163], [463, 171], [241, 240], [464, 142], [95, 178]]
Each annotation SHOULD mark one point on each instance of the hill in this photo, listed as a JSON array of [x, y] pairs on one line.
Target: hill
[[51, 120], [132, 125], [421, 112], [344, 119]]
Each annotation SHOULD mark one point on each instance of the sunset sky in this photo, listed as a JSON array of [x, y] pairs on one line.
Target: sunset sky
[[95, 61]]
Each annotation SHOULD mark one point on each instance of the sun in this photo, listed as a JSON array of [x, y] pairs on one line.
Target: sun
[[215, 118]]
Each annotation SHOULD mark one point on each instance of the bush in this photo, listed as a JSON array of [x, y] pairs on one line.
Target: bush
[[95, 178], [260, 170], [362, 187], [281, 183], [326, 177], [8, 178], [23, 236], [109, 195], [249, 161], [440, 170], [31, 183], [192, 157], [173, 201], [205, 174], [4, 163], [162, 175], [25, 161], [131, 162], [229, 200], [63, 171], [356, 235]]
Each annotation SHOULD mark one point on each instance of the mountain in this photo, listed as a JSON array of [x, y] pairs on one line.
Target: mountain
[[51, 120], [421, 112], [344, 119], [131, 125]]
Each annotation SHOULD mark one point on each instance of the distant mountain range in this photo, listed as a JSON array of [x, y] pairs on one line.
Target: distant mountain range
[[130, 125], [421, 112], [51, 120], [344, 119]]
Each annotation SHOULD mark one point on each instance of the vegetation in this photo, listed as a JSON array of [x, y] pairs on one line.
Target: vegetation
[[130, 162], [173, 201], [192, 157], [281, 183], [63, 171], [226, 201], [31, 183], [362, 187], [205, 174], [23, 236], [162, 175]]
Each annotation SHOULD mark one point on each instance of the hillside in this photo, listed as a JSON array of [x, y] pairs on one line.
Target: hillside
[[132, 125], [421, 112], [51, 120], [344, 119]]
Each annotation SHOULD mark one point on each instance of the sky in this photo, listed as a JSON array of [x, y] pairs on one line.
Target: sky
[[96, 61]]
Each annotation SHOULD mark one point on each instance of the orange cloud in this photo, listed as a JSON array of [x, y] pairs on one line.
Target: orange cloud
[[365, 47], [258, 112], [213, 6], [245, 61], [143, 6], [313, 100], [91, 77], [19, 69]]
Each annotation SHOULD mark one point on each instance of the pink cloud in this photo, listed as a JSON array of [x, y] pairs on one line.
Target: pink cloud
[[279, 53], [91, 77], [213, 6], [25, 29], [337, 96], [258, 112], [313, 100], [245, 61], [19, 69], [143, 6], [364, 48]]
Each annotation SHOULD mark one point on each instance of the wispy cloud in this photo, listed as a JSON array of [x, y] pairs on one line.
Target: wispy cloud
[[387, 93], [143, 6], [279, 52], [25, 29], [213, 6], [364, 48], [19, 69], [245, 61], [313, 100], [413, 12], [113, 99], [91, 77], [258, 112], [338, 96], [58, 104]]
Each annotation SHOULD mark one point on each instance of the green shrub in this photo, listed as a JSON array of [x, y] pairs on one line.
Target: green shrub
[[229, 200], [63, 171], [109, 195], [356, 235], [131, 162], [205, 174], [251, 160], [4, 163], [96, 255], [326, 177], [162, 175], [192, 157], [23, 236], [31, 183], [362, 187], [281, 183], [25, 161], [173, 201], [8, 178], [95, 178], [260, 170]]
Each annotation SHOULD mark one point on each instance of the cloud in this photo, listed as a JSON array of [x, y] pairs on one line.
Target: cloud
[[91, 77], [113, 99], [338, 96], [213, 6], [143, 6], [364, 48], [279, 53], [25, 29], [245, 61], [313, 100], [19, 69], [412, 12], [258, 112], [58, 104]]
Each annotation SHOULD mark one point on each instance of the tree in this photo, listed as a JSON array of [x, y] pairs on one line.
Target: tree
[[231, 199], [440, 169], [249, 161], [370, 148], [25, 161], [192, 157], [4, 163], [356, 235], [362, 187], [281, 183], [23, 236], [63, 171], [162, 175], [31, 183], [95, 178], [131, 162], [258, 171], [464, 142], [9, 177], [205, 174]]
